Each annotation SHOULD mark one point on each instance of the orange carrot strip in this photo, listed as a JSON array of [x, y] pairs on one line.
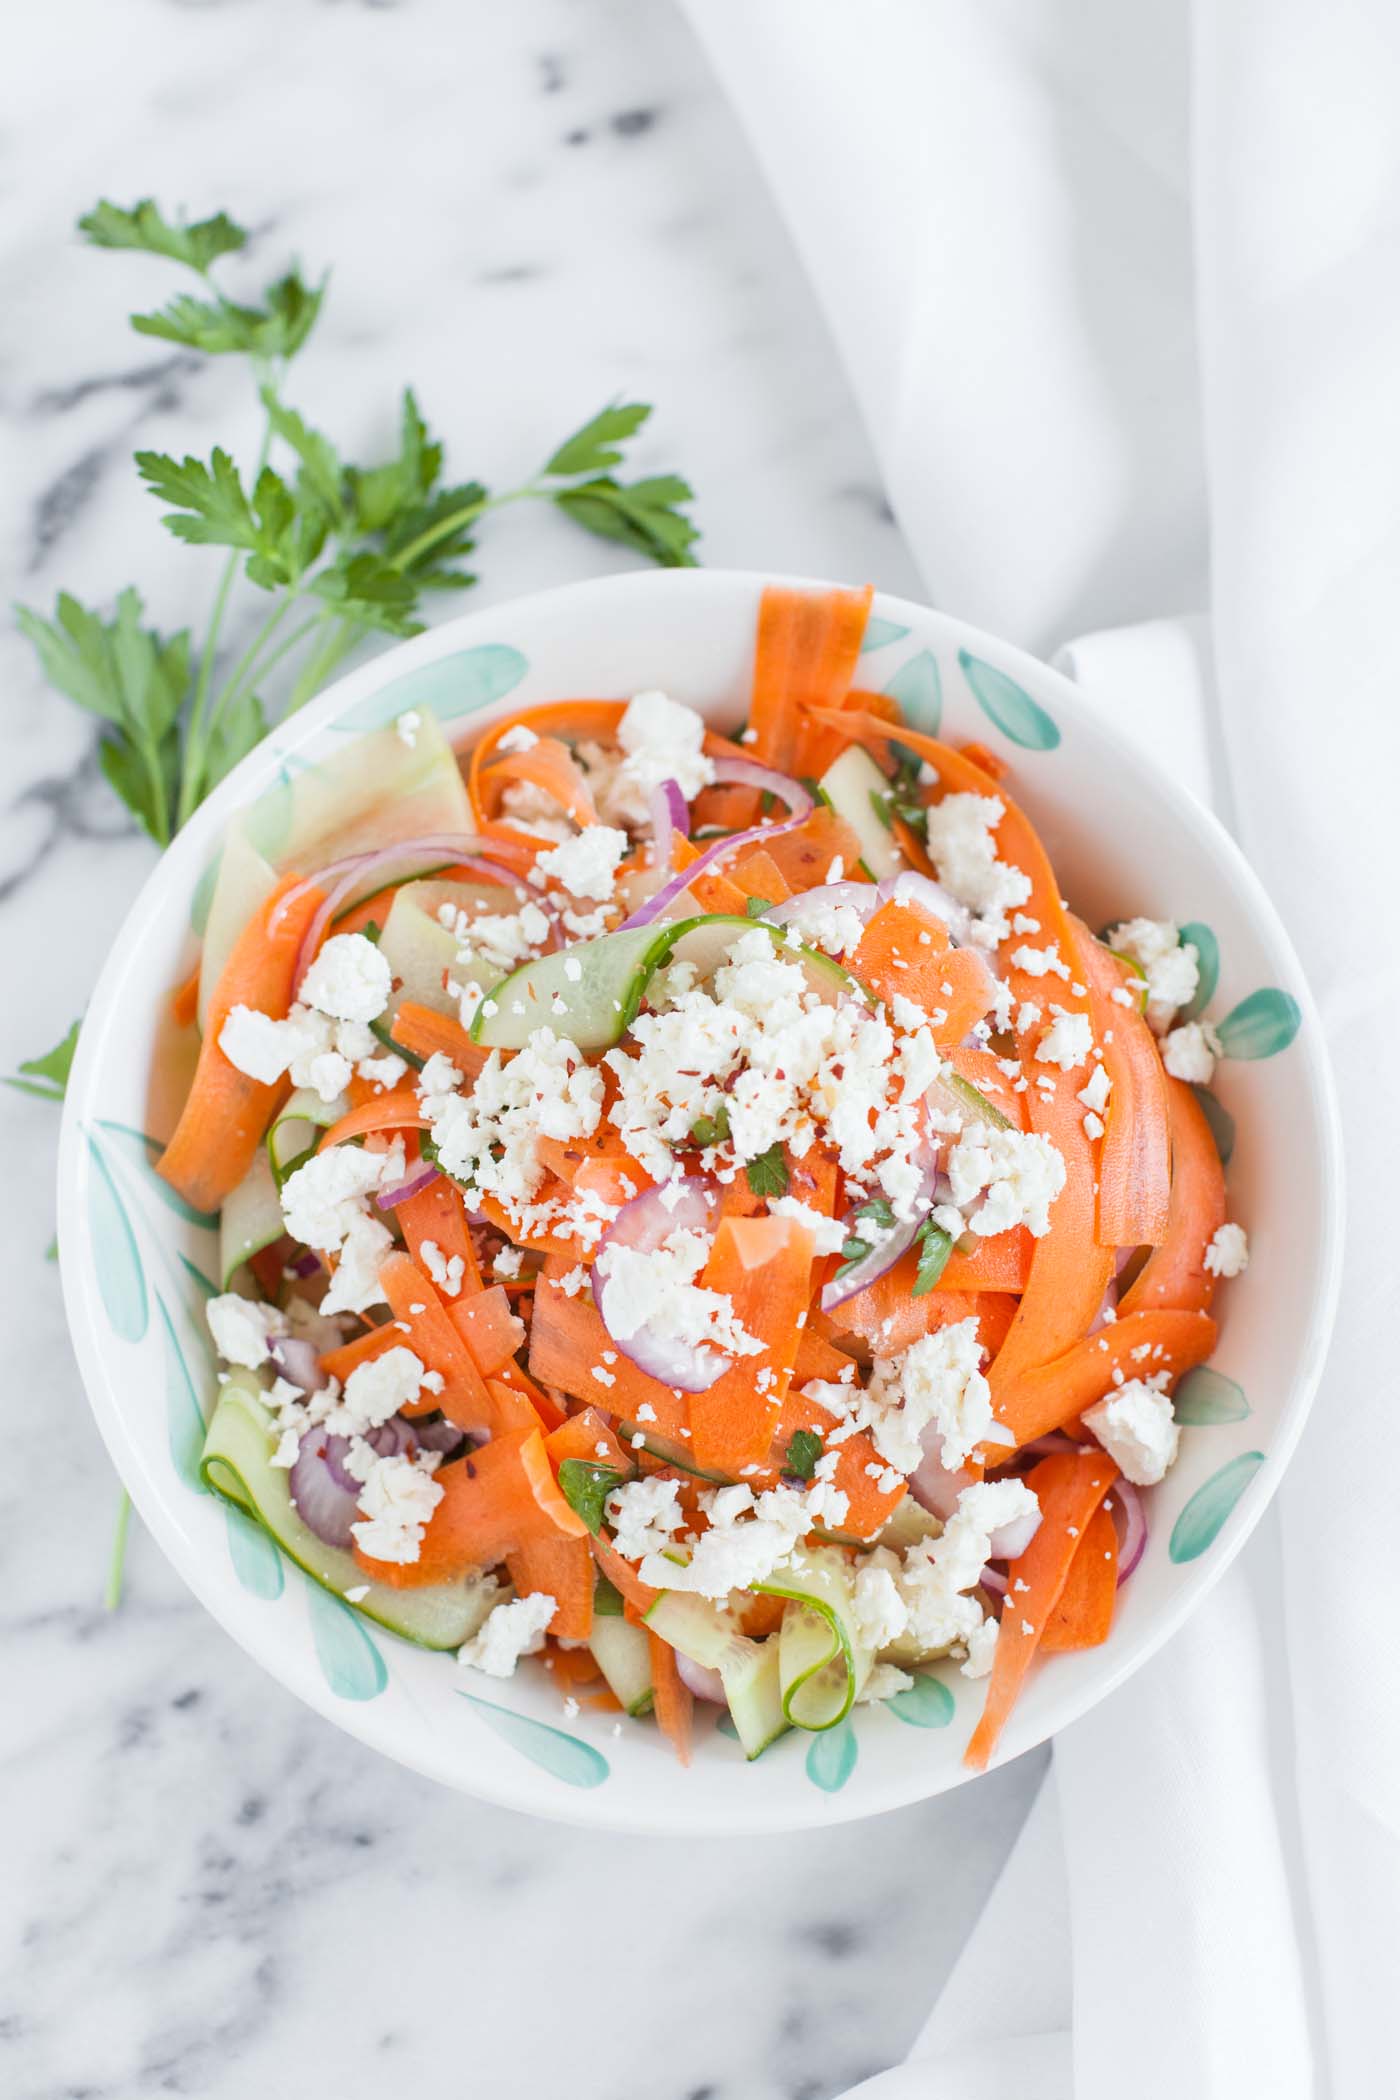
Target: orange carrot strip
[[623, 1576], [424, 1032], [807, 651], [494, 1500], [1175, 1273], [804, 857], [1001, 1262], [764, 1265], [398, 1109], [184, 1001], [712, 891], [674, 1701], [226, 1112], [562, 1568], [414, 1300], [758, 875], [491, 1331], [567, 1343], [905, 952], [869, 1502], [1069, 1490], [1084, 1614], [1135, 1162], [1053, 1394], [339, 1363], [548, 765], [438, 1215], [580, 1436], [597, 719]]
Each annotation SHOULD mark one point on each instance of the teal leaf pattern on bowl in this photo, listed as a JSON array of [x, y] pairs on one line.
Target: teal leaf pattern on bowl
[[1199, 1523], [146, 1151], [831, 1758], [1222, 1123], [121, 1280], [256, 1560], [1009, 705], [204, 895], [268, 824], [927, 1703], [880, 633], [1206, 1396], [1261, 1025], [205, 1285], [1207, 948], [350, 1660], [184, 1417], [918, 688], [562, 1755], [453, 686]]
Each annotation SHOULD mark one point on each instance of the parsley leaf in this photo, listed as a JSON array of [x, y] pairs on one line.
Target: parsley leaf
[[221, 327], [366, 588], [145, 227], [803, 1451], [881, 802], [320, 475], [281, 536], [768, 1174], [46, 1077], [594, 448], [854, 1250], [586, 1487], [935, 1245], [607, 1601], [643, 515], [755, 907], [236, 731]]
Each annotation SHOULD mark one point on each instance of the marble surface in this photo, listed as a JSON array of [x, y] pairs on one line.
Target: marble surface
[[205, 1889]]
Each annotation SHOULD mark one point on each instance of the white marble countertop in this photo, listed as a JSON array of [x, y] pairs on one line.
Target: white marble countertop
[[206, 1889]]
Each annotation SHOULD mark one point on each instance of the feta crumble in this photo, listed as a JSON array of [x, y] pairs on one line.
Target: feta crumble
[[586, 865], [348, 979], [1228, 1252], [242, 1328], [511, 1629], [963, 850], [1169, 966], [398, 1497], [1189, 1052], [1136, 1426], [1012, 1176], [653, 1290], [1067, 1042]]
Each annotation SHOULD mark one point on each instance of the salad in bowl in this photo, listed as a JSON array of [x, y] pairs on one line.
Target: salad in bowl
[[701, 1217]]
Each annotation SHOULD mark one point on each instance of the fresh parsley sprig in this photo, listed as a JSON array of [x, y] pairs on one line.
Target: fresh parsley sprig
[[343, 550]]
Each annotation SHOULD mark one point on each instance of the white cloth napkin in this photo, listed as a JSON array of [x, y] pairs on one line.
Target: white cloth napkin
[[1071, 256]]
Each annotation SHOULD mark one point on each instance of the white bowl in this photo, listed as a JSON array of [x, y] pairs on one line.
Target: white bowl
[[1124, 841]]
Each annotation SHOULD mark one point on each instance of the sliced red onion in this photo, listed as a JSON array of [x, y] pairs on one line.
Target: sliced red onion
[[298, 1361], [932, 1484], [325, 1496], [885, 1252], [1131, 1519], [922, 889], [1049, 1445], [345, 876], [306, 1263], [747, 773], [422, 1177], [705, 1684], [436, 1433], [687, 1205], [669, 815], [994, 1579]]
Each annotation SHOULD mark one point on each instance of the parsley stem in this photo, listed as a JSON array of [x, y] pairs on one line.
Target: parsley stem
[[319, 665], [196, 757], [453, 522], [112, 1594]]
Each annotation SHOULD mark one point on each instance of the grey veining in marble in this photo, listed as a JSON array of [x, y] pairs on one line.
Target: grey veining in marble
[[204, 1889]]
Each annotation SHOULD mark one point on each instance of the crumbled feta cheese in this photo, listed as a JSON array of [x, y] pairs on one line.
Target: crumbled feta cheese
[[586, 866], [508, 1262], [1136, 1426], [746, 1540], [936, 1384], [242, 1328], [489, 1138], [1041, 962], [573, 1281], [349, 979], [938, 1574], [1016, 1174], [256, 1044], [653, 1290], [663, 741], [879, 1609], [1228, 1252], [834, 928], [828, 1234], [1093, 1125], [408, 726], [355, 1285], [644, 1515], [1095, 1091], [501, 940], [447, 1272], [398, 1498], [322, 1199], [884, 1681], [510, 1630], [517, 738], [1170, 967], [963, 849], [981, 1648], [1189, 1052], [379, 1388], [1067, 1041]]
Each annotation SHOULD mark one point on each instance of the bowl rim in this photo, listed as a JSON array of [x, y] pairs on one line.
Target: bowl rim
[[519, 1786]]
